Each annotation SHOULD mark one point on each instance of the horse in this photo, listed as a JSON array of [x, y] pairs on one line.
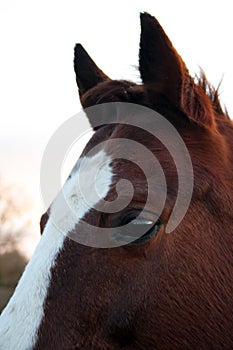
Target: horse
[[158, 289]]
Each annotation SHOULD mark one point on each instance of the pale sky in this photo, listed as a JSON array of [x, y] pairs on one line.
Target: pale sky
[[37, 83]]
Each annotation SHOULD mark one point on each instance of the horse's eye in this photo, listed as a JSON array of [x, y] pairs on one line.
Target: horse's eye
[[150, 228], [138, 229]]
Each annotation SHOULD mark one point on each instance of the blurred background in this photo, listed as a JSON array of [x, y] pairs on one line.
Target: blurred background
[[38, 89]]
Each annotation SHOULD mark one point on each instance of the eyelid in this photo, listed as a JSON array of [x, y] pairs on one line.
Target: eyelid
[[142, 221], [148, 216]]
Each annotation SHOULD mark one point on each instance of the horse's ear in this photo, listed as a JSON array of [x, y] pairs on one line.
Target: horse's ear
[[160, 65], [163, 71], [87, 72]]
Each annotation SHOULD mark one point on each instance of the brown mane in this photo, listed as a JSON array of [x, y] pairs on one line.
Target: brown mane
[[128, 91], [212, 93]]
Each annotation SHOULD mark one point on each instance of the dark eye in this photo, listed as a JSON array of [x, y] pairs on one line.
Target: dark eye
[[139, 228], [150, 228]]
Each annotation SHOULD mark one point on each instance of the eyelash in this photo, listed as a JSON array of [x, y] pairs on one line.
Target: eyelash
[[138, 229]]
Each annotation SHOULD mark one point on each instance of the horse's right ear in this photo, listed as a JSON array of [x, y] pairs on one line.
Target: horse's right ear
[[87, 72], [163, 71]]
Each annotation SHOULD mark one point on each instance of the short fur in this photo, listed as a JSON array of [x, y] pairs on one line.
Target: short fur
[[174, 292]]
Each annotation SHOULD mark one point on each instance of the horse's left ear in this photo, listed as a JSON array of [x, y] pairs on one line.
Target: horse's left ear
[[88, 74], [163, 71]]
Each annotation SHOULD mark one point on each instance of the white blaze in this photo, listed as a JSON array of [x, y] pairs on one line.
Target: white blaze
[[20, 320]]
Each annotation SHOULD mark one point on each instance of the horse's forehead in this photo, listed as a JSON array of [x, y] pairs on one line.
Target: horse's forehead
[[122, 147], [88, 183]]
